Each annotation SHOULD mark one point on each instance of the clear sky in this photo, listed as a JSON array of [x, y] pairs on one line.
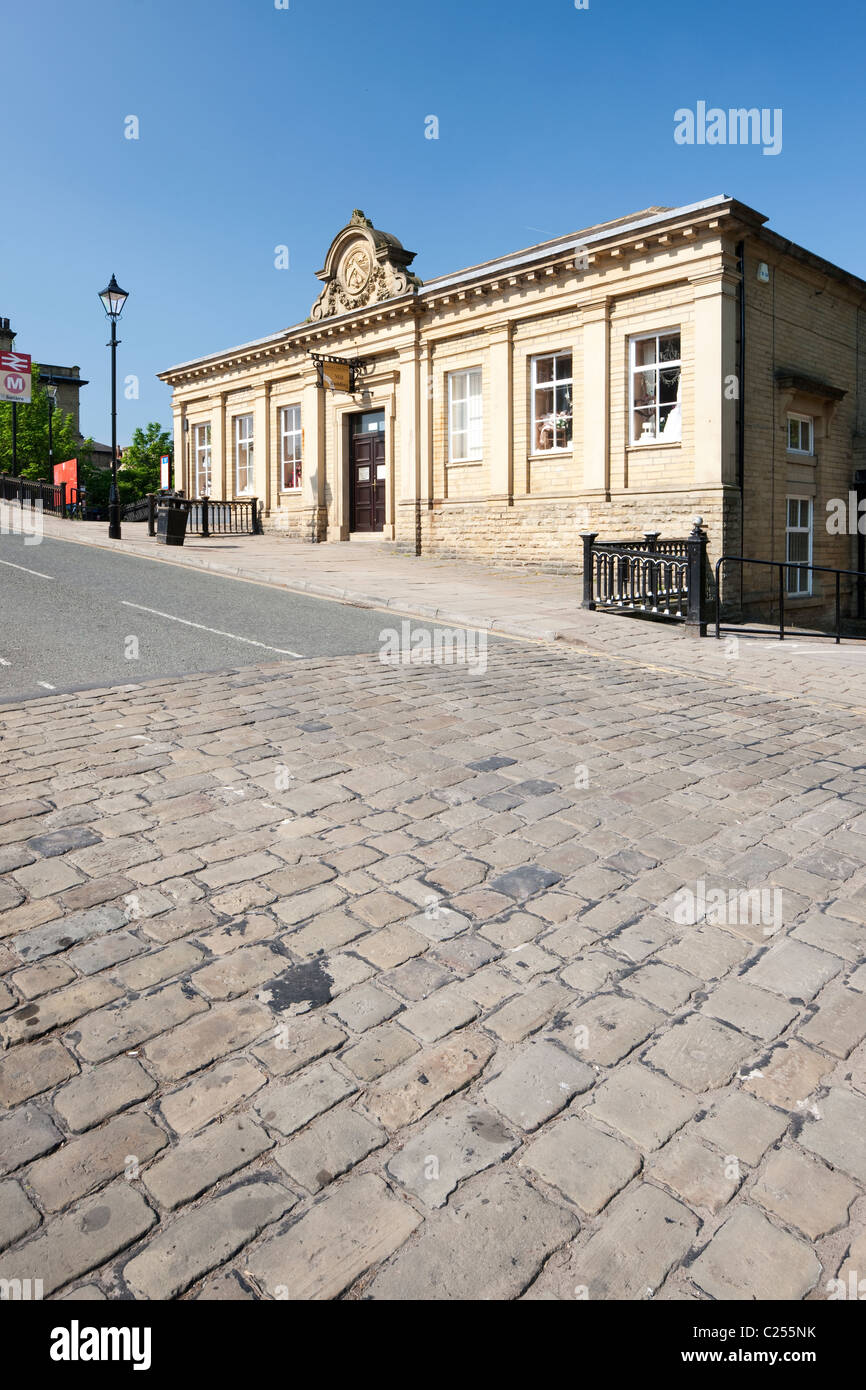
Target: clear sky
[[262, 127]]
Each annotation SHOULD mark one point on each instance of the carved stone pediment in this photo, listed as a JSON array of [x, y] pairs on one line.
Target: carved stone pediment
[[363, 266]]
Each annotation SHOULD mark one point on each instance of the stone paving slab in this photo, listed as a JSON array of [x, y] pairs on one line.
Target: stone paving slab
[[545, 984]]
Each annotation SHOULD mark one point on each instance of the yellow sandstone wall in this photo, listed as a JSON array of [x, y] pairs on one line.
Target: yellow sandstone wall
[[515, 507]]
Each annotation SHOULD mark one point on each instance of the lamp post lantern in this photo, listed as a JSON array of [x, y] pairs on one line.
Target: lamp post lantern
[[113, 299]]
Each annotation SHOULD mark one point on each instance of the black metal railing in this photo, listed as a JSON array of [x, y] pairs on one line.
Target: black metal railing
[[29, 492], [782, 566], [141, 509], [136, 511], [659, 578], [206, 517]]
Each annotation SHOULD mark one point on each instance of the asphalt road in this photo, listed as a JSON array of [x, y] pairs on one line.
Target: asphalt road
[[69, 612]]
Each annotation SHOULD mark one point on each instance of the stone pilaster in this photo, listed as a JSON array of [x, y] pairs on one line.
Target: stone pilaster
[[715, 350], [596, 395], [407, 469], [501, 411], [262, 444], [218, 450], [313, 477], [182, 467]]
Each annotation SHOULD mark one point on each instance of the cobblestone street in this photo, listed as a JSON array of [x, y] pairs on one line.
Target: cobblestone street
[[333, 979]]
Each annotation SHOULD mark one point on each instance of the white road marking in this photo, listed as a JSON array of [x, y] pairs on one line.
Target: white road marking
[[46, 686], [214, 630], [826, 648], [38, 573]]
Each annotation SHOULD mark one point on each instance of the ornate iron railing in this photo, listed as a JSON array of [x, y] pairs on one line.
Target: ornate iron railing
[[636, 581], [205, 517], [660, 578]]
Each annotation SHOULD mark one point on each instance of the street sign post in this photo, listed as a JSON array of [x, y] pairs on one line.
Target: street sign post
[[15, 377]]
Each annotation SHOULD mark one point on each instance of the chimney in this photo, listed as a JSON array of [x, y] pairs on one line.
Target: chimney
[[7, 335]]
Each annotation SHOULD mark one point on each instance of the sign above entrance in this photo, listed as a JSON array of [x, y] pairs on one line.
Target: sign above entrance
[[337, 376], [338, 373]]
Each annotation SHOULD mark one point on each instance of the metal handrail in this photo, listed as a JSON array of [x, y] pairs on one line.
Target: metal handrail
[[28, 491], [781, 566]]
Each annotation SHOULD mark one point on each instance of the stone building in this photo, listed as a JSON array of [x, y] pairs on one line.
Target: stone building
[[623, 379]]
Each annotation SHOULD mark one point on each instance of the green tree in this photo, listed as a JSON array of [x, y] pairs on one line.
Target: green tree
[[97, 481], [139, 469], [32, 451]]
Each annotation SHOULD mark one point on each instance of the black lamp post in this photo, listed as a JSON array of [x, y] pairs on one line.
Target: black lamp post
[[51, 393], [113, 299]]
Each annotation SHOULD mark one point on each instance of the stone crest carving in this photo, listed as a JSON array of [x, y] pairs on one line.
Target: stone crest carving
[[356, 268], [363, 266]]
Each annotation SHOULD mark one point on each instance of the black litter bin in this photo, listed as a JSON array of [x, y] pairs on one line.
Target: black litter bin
[[171, 525]]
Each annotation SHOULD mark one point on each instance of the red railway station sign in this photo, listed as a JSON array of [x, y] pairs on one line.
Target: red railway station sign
[[15, 377]]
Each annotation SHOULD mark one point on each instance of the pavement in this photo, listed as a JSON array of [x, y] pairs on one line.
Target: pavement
[[534, 976], [328, 978], [517, 603]]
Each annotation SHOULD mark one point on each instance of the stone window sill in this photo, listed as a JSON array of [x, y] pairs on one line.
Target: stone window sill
[[656, 444]]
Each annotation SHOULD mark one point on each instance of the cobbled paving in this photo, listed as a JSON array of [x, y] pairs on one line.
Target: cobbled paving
[[335, 979]]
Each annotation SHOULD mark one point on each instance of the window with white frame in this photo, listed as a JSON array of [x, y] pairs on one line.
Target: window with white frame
[[243, 455], [552, 411], [465, 414], [202, 460], [801, 434], [798, 544], [291, 443], [655, 383]]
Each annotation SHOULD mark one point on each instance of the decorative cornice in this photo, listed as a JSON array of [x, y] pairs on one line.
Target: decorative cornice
[[808, 385], [363, 266], [392, 291]]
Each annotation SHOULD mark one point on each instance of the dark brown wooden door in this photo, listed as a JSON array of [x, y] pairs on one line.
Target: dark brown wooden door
[[368, 481]]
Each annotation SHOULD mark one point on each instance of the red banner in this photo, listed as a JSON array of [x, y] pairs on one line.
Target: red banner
[[66, 473]]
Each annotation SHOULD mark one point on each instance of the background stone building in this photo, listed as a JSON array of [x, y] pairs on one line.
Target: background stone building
[[624, 379], [67, 383]]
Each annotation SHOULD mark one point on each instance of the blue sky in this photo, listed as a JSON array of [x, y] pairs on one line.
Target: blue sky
[[261, 127]]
